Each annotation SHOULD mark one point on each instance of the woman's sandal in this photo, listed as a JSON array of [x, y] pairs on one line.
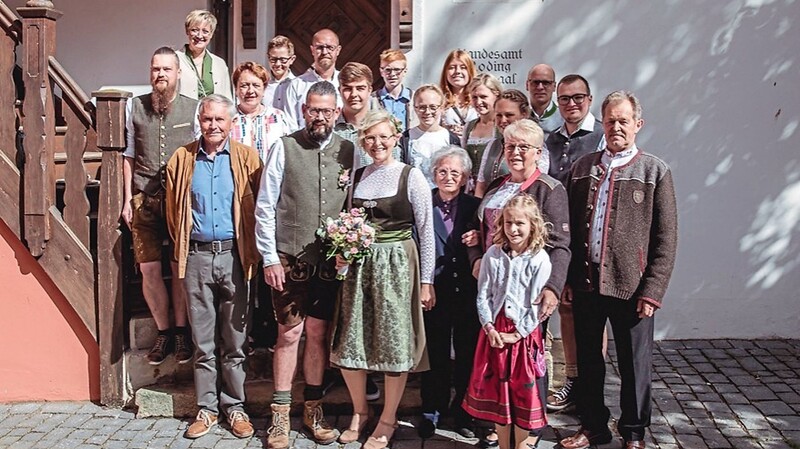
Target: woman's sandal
[[381, 441], [350, 435]]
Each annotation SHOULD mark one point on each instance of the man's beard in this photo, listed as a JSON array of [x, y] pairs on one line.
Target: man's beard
[[318, 135], [162, 98]]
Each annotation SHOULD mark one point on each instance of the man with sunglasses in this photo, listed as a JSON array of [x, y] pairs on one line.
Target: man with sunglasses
[[304, 183], [325, 50], [280, 55], [541, 85]]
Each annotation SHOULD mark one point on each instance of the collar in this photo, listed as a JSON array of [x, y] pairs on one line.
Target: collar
[[586, 125], [201, 152], [405, 94], [319, 78], [289, 77], [612, 160], [322, 144], [551, 109]]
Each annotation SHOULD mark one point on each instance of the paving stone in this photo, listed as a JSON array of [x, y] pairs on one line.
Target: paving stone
[[714, 439], [692, 441], [24, 408], [745, 443], [183, 443], [772, 408], [789, 422], [735, 398], [725, 388], [124, 435], [57, 434], [758, 393], [732, 429]]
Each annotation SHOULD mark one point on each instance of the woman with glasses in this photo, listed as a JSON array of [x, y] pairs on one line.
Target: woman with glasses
[[202, 73], [379, 325], [484, 90], [457, 72], [455, 317], [511, 105], [523, 142], [418, 144]]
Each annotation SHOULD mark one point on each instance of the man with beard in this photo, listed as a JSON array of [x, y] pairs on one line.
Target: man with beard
[[157, 124], [300, 188], [325, 49]]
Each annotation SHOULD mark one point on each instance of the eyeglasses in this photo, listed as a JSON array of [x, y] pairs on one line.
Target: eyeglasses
[[442, 173], [510, 148], [316, 112], [393, 70], [281, 60], [544, 83], [563, 100], [323, 48], [372, 140], [200, 31], [422, 108]]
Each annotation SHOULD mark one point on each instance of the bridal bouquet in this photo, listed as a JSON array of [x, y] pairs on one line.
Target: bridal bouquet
[[349, 234]]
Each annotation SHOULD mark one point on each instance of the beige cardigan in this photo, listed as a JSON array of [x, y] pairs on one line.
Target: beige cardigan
[[219, 73]]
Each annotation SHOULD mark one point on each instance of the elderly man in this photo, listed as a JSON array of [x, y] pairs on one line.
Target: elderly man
[[541, 85], [157, 124], [211, 185], [299, 190], [325, 49], [624, 220]]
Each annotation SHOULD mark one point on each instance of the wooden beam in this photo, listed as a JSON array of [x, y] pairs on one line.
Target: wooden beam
[[39, 43], [111, 139]]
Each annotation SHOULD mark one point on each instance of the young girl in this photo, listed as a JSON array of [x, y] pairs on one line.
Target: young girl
[[457, 73], [508, 383], [484, 91], [418, 144]]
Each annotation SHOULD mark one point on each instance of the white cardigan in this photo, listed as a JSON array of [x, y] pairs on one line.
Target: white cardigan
[[512, 284], [219, 73]]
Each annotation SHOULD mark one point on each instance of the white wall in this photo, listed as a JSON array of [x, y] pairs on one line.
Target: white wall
[[720, 87], [110, 42]]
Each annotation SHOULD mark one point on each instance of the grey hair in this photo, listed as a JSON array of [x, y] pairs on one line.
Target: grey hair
[[321, 88], [452, 151], [525, 129], [619, 96], [217, 98]]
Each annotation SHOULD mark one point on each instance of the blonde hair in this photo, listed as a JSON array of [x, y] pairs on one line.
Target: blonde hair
[[373, 118], [449, 96], [200, 16], [426, 88], [280, 41], [392, 55], [539, 232], [486, 79]]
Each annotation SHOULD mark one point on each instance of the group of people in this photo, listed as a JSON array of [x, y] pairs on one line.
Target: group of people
[[494, 208]]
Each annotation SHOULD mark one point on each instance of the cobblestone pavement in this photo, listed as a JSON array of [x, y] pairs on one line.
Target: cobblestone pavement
[[707, 394]]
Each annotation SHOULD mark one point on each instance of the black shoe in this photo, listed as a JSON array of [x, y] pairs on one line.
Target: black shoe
[[464, 427], [373, 392], [184, 349], [331, 378], [426, 428], [160, 350], [487, 443]]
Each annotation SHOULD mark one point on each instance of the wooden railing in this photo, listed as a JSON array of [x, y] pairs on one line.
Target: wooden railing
[[87, 270]]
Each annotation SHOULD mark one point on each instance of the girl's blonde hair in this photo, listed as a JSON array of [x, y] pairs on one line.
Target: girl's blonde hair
[[539, 232], [450, 98]]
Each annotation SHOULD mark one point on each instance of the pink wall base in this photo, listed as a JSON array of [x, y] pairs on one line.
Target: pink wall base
[[46, 354]]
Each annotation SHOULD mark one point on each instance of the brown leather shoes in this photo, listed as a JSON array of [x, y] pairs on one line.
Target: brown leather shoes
[[634, 445], [278, 433], [585, 438], [240, 424], [314, 423], [202, 424]]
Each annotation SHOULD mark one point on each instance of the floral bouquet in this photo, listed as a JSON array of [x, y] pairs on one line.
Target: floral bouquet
[[350, 234]]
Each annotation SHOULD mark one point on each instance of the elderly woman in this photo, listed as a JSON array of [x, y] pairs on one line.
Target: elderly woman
[[202, 73], [379, 323], [511, 105], [455, 314], [255, 124], [522, 148]]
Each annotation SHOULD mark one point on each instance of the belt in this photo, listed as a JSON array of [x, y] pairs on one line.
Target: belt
[[217, 246]]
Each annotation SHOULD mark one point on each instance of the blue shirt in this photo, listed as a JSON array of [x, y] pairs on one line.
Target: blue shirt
[[396, 107], [212, 196]]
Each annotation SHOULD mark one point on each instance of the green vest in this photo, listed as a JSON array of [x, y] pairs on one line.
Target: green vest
[[156, 137], [495, 162], [310, 192]]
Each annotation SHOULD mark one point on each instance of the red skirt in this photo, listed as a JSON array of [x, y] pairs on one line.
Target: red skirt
[[503, 388]]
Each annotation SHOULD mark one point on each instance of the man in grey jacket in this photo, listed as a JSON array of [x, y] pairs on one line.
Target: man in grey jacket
[[624, 219]]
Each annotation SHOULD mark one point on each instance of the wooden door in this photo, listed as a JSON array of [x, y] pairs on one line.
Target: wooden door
[[364, 28]]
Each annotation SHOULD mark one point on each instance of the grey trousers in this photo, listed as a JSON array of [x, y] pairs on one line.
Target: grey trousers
[[220, 313]]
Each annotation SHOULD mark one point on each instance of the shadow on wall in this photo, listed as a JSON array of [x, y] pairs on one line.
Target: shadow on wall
[[720, 88]]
